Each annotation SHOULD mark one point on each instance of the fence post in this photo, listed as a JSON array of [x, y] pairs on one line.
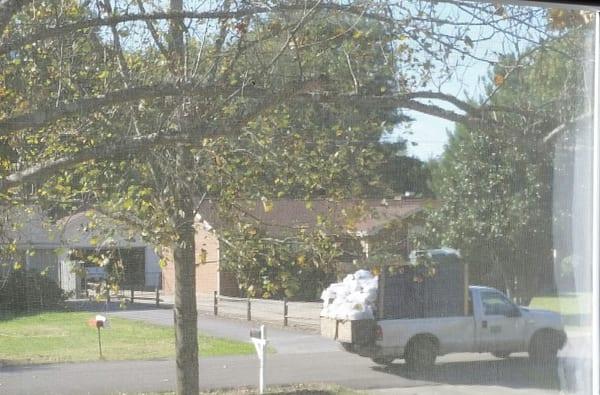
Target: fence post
[[216, 303], [285, 312], [158, 284], [249, 311], [132, 293]]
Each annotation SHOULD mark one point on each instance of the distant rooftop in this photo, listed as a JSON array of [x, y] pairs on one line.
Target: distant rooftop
[[359, 216]]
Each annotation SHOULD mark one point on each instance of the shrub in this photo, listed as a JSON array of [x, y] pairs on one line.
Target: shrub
[[28, 290]]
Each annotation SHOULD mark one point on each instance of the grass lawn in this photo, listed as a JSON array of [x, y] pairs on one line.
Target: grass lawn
[[568, 304], [67, 337]]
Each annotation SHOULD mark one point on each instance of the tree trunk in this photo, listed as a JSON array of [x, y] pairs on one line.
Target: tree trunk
[[186, 316]]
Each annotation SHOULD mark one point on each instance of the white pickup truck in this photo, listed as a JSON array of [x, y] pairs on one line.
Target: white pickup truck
[[494, 324]]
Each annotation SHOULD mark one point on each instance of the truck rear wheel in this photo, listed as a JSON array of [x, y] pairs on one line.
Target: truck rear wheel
[[383, 360], [544, 346], [420, 354]]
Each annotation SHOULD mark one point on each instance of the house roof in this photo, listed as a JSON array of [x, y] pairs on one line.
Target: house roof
[[279, 217], [358, 216], [76, 231], [27, 226]]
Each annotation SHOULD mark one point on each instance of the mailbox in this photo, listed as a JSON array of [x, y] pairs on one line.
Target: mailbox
[[256, 333], [259, 338], [100, 321]]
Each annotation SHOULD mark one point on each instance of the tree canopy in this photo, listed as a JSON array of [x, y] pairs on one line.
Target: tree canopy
[[496, 184]]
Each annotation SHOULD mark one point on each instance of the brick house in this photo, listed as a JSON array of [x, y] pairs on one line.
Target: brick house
[[371, 221], [209, 277]]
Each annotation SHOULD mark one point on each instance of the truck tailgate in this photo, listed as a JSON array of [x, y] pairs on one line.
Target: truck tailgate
[[345, 331]]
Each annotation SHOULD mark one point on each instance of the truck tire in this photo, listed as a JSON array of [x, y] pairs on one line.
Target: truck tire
[[501, 354], [383, 360], [347, 347], [544, 346], [420, 354]]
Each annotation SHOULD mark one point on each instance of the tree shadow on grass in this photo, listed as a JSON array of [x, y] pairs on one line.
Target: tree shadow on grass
[[514, 372], [11, 315], [91, 306], [102, 306], [303, 392]]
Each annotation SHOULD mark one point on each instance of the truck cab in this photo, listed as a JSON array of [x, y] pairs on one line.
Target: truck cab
[[501, 327]]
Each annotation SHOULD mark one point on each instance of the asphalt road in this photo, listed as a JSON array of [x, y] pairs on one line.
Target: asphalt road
[[327, 367], [301, 357]]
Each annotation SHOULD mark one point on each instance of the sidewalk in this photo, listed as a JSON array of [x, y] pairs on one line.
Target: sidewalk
[[304, 315]]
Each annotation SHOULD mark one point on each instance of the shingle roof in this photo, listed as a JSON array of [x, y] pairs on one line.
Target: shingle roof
[[281, 216]]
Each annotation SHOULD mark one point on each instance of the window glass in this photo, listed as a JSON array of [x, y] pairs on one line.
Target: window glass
[[174, 173], [495, 304]]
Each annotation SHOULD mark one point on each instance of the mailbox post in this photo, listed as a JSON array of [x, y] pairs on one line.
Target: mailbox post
[[99, 322], [259, 338]]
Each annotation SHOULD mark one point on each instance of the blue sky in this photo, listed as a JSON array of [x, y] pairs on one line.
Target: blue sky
[[431, 133]]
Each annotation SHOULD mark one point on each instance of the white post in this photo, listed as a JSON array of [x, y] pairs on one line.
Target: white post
[[259, 338], [262, 356], [596, 215]]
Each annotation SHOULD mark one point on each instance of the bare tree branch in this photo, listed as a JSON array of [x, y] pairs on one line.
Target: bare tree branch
[[410, 101], [44, 116], [141, 144], [365, 10], [121, 147]]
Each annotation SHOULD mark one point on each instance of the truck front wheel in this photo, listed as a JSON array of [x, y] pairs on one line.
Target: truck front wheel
[[544, 346], [420, 354]]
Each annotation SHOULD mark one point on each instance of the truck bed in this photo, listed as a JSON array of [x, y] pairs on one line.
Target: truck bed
[[454, 333]]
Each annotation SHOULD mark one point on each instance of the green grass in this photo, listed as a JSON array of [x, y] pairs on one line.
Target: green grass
[[569, 304], [67, 337]]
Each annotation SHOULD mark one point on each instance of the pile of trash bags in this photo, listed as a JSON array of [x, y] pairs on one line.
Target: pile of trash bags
[[353, 299]]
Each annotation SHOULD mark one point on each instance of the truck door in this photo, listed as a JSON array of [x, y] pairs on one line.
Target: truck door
[[500, 326]]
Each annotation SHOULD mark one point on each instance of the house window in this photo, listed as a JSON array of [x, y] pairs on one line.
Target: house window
[[44, 261]]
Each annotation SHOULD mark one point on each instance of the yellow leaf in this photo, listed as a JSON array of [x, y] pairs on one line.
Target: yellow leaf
[[267, 205], [203, 255], [499, 79]]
